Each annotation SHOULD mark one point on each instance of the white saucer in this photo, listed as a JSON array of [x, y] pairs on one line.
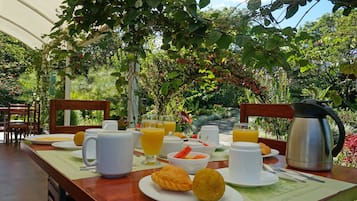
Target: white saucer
[[66, 145], [78, 154], [266, 179], [149, 188], [49, 139], [273, 152]]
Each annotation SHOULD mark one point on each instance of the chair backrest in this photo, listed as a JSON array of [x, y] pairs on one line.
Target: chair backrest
[[268, 110], [64, 104], [35, 124], [3, 117], [18, 113]]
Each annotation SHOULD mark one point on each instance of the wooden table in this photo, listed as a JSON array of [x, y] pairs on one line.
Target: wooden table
[[126, 188]]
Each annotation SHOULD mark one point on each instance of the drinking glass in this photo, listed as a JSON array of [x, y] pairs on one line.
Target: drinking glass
[[151, 143], [149, 120], [244, 132], [169, 124]]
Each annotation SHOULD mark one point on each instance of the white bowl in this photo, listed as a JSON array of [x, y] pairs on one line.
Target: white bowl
[[197, 146], [190, 165]]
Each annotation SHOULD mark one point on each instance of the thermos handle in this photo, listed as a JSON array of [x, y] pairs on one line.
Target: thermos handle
[[341, 138]]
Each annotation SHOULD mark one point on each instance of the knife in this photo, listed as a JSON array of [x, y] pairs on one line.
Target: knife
[[283, 175], [306, 175]]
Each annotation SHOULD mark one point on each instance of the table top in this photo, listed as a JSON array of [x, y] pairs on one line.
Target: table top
[[126, 188]]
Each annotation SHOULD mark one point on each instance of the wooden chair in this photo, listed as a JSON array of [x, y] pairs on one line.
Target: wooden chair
[[268, 110], [3, 119], [34, 124], [17, 123], [63, 104]]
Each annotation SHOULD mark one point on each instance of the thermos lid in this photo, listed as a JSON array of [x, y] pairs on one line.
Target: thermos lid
[[310, 109]]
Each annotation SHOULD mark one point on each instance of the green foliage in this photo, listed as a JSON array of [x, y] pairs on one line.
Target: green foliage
[[330, 54], [14, 59], [165, 80]]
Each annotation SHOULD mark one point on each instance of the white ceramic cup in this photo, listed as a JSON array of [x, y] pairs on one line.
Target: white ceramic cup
[[171, 144], [245, 162], [111, 125], [91, 132], [114, 153], [209, 134]]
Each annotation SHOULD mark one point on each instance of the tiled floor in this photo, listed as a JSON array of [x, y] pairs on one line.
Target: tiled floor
[[20, 178]]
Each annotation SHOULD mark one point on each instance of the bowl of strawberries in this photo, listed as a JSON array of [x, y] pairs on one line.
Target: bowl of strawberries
[[189, 160]]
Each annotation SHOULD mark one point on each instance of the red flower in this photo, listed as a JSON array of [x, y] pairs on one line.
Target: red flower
[[185, 118]]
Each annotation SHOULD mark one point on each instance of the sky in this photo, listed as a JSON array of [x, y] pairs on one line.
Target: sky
[[323, 7]]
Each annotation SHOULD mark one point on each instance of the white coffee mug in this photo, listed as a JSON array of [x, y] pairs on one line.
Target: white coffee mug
[[245, 162], [110, 125], [91, 132], [209, 134], [114, 153]]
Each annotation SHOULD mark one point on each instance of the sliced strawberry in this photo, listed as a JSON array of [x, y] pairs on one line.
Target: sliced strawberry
[[183, 153], [204, 144]]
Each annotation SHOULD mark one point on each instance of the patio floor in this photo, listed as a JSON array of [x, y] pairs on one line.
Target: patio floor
[[20, 178]]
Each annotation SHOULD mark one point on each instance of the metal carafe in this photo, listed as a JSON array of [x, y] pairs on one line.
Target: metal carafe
[[310, 144]]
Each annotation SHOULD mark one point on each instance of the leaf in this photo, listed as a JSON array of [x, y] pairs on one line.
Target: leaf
[[176, 83], [254, 4], [267, 22], [153, 3], [291, 10], [180, 15], [347, 11], [258, 29], [277, 5], [193, 27], [302, 3], [271, 44], [224, 41], [165, 88], [303, 62], [336, 7], [172, 75], [203, 3], [214, 36]]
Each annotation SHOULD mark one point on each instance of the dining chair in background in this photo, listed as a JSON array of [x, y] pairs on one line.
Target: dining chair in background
[[267, 110], [34, 119], [57, 105], [3, 117], [17, 122]]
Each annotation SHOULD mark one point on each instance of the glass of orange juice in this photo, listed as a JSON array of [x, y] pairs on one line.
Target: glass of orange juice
[[149, 120], [169, 124], [245, 132], [151, 143]]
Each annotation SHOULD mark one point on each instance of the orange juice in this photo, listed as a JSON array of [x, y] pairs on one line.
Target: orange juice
[[170, 126], [246, 135], [152, 140]]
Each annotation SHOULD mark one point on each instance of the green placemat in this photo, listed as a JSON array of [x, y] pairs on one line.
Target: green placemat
[[68, 165], [294, 191]]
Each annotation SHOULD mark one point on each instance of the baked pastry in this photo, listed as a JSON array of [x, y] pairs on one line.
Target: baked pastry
[[172, 178], [265, 149]]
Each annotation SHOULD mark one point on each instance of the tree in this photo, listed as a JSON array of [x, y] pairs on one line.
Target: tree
[[14, 59], [332, 63], [181, 26]]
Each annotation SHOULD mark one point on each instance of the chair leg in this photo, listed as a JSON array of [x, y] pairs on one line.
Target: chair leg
[[6, 137]]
